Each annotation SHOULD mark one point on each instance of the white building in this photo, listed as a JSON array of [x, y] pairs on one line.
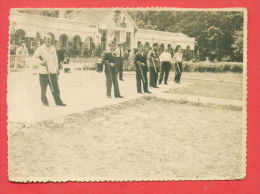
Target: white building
[[85, 27]]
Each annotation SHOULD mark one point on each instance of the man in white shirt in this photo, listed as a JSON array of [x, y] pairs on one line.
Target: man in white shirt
[[178, 59], [165, 60], [48, 70], [120, 60]]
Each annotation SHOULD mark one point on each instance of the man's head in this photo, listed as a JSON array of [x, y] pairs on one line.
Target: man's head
[[48, 39], [179, 49], [23, 45], [120, 45], [155, 46], [140, 47], [112, 47], [166, 49]]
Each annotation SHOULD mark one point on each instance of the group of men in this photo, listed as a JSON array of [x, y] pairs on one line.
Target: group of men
[[158, 64]]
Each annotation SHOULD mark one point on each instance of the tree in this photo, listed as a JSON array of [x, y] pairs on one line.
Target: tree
[[214, 31], [238, 45]]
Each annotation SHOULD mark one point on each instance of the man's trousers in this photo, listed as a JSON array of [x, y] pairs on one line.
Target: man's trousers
[[153, 76], [44, 82], [178, 72], [120, 64], [165, 69], [140, 79], [111, 79]]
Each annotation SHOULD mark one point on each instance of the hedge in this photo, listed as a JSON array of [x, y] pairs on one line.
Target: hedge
[[187, 66], [213, 67]]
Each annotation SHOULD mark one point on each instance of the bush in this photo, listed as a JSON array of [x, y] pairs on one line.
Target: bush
[[213, 67]]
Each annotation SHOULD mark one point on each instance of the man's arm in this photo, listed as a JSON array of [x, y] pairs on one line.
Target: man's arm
[[104, 58], [37, 55]]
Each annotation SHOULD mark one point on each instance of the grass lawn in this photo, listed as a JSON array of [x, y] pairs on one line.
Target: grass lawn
[[227, 77], [143, 139], [217, 89]]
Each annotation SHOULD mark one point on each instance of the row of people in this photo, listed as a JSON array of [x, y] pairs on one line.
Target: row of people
[[49, 69], [157, 64]]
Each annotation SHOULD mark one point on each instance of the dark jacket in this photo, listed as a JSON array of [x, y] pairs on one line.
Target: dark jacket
[[153, 58], [139, 58], [107, 58]]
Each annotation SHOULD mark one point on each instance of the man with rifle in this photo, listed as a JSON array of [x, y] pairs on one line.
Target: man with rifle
[[48, 70], [154, 65], [178, 59], [141, 69], [109, 60], [165, 59], [120, 60]]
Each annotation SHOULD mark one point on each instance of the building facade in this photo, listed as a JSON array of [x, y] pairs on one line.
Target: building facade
[[82, 32]]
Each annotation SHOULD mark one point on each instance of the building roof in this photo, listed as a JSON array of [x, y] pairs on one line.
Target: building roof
[[97, 16], [90, 16], [105, 16], [151, 34]]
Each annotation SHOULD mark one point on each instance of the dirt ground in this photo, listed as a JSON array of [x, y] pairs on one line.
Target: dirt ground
[[143, 139]]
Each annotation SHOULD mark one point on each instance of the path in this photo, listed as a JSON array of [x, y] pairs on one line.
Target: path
[[81, 91]]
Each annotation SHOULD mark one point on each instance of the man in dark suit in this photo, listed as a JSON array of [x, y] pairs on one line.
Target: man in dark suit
[[109, 60], [61, 56], [120, 60], [154, 65], [141, 67]]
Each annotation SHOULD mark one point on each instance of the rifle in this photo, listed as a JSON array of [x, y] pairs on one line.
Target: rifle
[[178, 66], [48, 73], [154, 65], [49, 77], [142, 74], [109, 69]]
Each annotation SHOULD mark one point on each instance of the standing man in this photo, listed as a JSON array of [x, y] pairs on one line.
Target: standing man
[[21, 55], [178, 59], [165, 59], [127, 58], [109, 60], [120, 60], [61, 56], [48, 70], [154, 65], [141, 67]]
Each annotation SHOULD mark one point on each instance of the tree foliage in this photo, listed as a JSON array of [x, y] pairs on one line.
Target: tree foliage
[[216, 32]]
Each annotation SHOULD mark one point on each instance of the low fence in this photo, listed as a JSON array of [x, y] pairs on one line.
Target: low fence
[[16, 62]]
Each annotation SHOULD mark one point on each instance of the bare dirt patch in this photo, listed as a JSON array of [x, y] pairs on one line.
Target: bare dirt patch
[[143, 139]]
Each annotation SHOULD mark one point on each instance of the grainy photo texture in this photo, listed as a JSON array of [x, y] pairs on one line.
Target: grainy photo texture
[[127, 94]]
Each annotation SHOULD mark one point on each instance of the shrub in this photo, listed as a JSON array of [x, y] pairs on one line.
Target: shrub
[[213, 67]]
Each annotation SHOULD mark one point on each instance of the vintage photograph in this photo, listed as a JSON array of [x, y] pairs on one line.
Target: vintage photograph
[[120, 94]]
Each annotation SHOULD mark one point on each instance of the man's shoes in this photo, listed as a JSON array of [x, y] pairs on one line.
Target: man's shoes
[[165, 84], [122, 80], [46, 104], [148, 92], [119, 97], [156, 87], [61, 104], [139, 92], [108, 96]]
